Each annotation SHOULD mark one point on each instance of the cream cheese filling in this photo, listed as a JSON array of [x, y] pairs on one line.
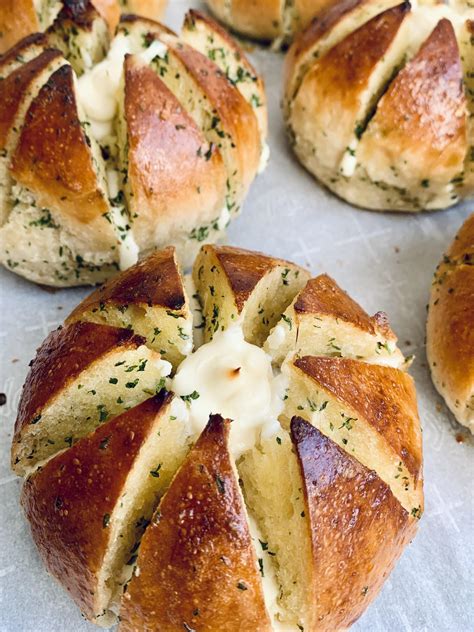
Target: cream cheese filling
[[234, 378]]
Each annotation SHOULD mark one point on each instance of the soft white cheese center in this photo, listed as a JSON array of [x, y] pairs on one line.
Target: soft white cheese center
[[234, 378]]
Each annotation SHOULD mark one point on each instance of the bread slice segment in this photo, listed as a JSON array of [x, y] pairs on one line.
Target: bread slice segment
[[81, 33], [401, 146], [334, 23], [212, 40], [323, 320], [17, 91], [149, 298], [173, 194], [333, 527], [82, 375], [342, 88], [240, 286], [196, 566], [63, 206], [466, 46], [24, 51], [370, 411], [88, 506], [226, 119]]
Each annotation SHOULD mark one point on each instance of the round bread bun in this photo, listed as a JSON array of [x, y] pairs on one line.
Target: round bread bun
[[17, 20], [267, 20], [450, 326], [379, 102], [189, 445], [115, 148]]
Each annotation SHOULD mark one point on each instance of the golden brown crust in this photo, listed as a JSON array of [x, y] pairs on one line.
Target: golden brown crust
[[64, 354], [69, 502], [236, 117], [170, 180], [152, 9], [155, 281], [358, 529], [322, 295], [450, 338], [262, 20], [243, 269], [197, 566], [16, 84], [25, 50], [462, 248], [53, 157], [309, 38], [129, 19], [383, 396], [17, 20], [423, 116]]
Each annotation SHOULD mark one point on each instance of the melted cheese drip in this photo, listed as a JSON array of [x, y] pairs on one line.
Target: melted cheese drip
[[234, 378], [99, 88], [128, 247]]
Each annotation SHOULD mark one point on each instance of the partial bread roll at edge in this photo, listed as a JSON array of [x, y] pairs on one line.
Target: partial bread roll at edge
[[450, 326], [89, 506], [82, 375]]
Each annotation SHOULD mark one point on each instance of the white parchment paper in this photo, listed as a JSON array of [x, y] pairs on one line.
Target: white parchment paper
[[385, 261]]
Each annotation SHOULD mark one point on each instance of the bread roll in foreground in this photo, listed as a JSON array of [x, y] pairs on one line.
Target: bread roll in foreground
[[285, 510]]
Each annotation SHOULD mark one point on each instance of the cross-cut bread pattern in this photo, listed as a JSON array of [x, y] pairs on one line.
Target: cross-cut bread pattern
[[449, 330], [112, 148], [18, 20], [236, 451], [379, 101]]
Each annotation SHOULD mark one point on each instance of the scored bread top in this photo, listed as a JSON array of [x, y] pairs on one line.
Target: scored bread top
[[154, 281], [419, 127], [167, 177], [238, 137], [349, 508], [383, 396], [71, 500], [53, 158], [215, 42], [16, 84], [322, 295], [64, 354], [196, 567]]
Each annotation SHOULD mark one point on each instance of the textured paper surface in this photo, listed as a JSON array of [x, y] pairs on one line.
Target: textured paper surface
[[385, 261]]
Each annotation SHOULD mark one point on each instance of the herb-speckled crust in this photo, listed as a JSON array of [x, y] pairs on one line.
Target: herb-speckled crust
[[197, 568], [170, 184], [25, 50], [450, 327], [64, 354], [224, 46], [384, 397], [331, 99], [16, 84], [244, 269], [153, 282], [358, 529], [322, 295], [420, 124], [70, 501], [53, 159], [17, 20], [237, 120]]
